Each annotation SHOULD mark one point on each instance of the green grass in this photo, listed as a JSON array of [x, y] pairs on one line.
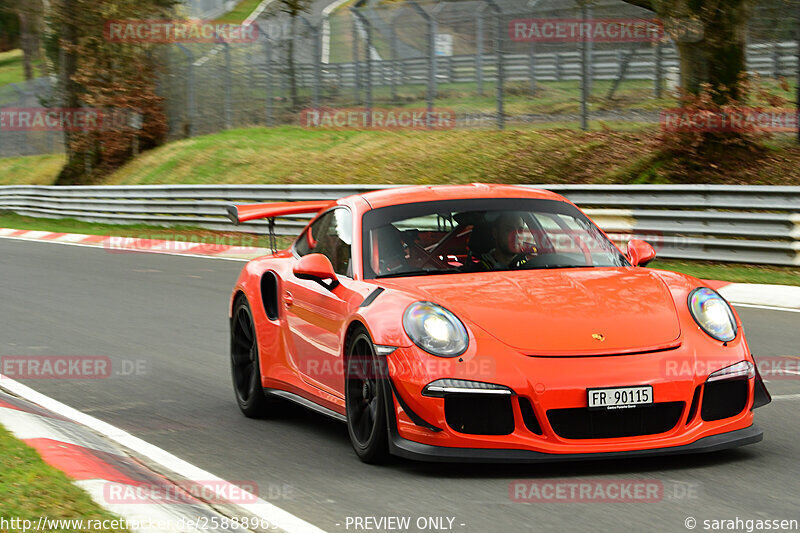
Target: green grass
[[33, 170], [11, 70], [534, 153], [31, 488], [740, 273], [240, 12]]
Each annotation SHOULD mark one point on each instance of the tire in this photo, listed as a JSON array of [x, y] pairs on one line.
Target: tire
[[245, 367], [365, 400]]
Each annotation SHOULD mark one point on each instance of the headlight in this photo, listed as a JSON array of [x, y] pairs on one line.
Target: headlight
[[713, 314], [435, 329]]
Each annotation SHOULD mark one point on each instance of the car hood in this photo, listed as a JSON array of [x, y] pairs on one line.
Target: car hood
[[560, 312]]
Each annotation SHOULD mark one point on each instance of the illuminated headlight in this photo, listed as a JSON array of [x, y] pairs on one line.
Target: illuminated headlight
[[440, 387], [713, 314], [742, 369], [435, 329]]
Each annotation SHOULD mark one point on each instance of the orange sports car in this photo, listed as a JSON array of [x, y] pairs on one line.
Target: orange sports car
[[487, 323]]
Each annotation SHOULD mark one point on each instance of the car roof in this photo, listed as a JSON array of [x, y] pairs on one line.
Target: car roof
[[431, 193]]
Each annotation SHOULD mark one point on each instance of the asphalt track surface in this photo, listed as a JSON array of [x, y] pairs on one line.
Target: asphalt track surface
[[169, 312]]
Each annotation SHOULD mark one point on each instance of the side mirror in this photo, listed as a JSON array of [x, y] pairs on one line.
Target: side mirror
[[316, 267], [640, 252]]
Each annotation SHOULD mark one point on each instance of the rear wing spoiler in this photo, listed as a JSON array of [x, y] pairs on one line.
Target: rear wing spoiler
[[246, 212]]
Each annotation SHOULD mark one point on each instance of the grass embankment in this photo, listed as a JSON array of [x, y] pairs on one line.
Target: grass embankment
[[11, 70], [32, 489], [239, 13], [294, 155]]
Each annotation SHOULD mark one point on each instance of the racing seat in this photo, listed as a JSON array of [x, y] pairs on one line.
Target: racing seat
[[481, 241], [388, 251]]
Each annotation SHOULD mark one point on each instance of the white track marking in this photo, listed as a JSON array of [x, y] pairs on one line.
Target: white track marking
[[326, 29], [766, 307], [249, 20], [262, 509]]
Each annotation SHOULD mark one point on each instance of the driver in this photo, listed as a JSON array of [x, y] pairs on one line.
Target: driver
[[510, 250]]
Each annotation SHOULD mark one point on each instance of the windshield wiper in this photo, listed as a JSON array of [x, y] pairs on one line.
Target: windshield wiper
[[421, 272]]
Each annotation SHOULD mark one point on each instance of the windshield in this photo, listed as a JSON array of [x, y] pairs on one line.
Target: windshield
[[461, 236]]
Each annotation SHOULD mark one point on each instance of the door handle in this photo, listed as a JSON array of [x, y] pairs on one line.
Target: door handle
[[288, 299]]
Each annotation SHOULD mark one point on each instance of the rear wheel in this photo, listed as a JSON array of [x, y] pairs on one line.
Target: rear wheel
[[365, 400], [245, 368]]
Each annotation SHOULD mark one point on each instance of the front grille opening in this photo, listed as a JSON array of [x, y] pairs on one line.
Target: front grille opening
[[695, 404], [529, 416], [584, 423], [479, 414], [724, 399]]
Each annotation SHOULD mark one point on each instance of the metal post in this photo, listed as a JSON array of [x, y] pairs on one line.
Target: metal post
[[498, 48], [356, 67], [317, 59], [358, 17], [532, 69], [393, 44], [797, 24], [270, 108], [590, 48], [191, 107], [479, 49], [228, 87], [659, 70], [584, 75], [431, 92]]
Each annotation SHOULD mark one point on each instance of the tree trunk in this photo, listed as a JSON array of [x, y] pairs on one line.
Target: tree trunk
[[69, 91], [29, 41], [720, 57], [716, 55]]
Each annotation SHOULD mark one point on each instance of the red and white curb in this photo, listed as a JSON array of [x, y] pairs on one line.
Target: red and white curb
[[780, 297], [109, 464], [113, 244]]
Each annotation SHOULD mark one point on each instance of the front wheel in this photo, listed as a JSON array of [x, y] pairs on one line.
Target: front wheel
[[365, 400]]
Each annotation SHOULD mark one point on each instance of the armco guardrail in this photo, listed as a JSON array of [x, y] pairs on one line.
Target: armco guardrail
[[748, 224]]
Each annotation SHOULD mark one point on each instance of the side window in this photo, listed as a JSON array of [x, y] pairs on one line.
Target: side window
[[330, 235]]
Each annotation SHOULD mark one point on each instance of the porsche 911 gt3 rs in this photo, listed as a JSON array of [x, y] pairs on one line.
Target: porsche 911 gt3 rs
[[487, 323]]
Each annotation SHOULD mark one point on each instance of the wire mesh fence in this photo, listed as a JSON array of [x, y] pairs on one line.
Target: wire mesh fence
[[473, 63], [19, 141], [465, 64]]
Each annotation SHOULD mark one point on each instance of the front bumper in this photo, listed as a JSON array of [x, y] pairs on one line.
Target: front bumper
[[419, 429], [425, 452]]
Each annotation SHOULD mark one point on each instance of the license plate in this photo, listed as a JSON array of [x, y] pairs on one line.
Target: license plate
[[620, 397]]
